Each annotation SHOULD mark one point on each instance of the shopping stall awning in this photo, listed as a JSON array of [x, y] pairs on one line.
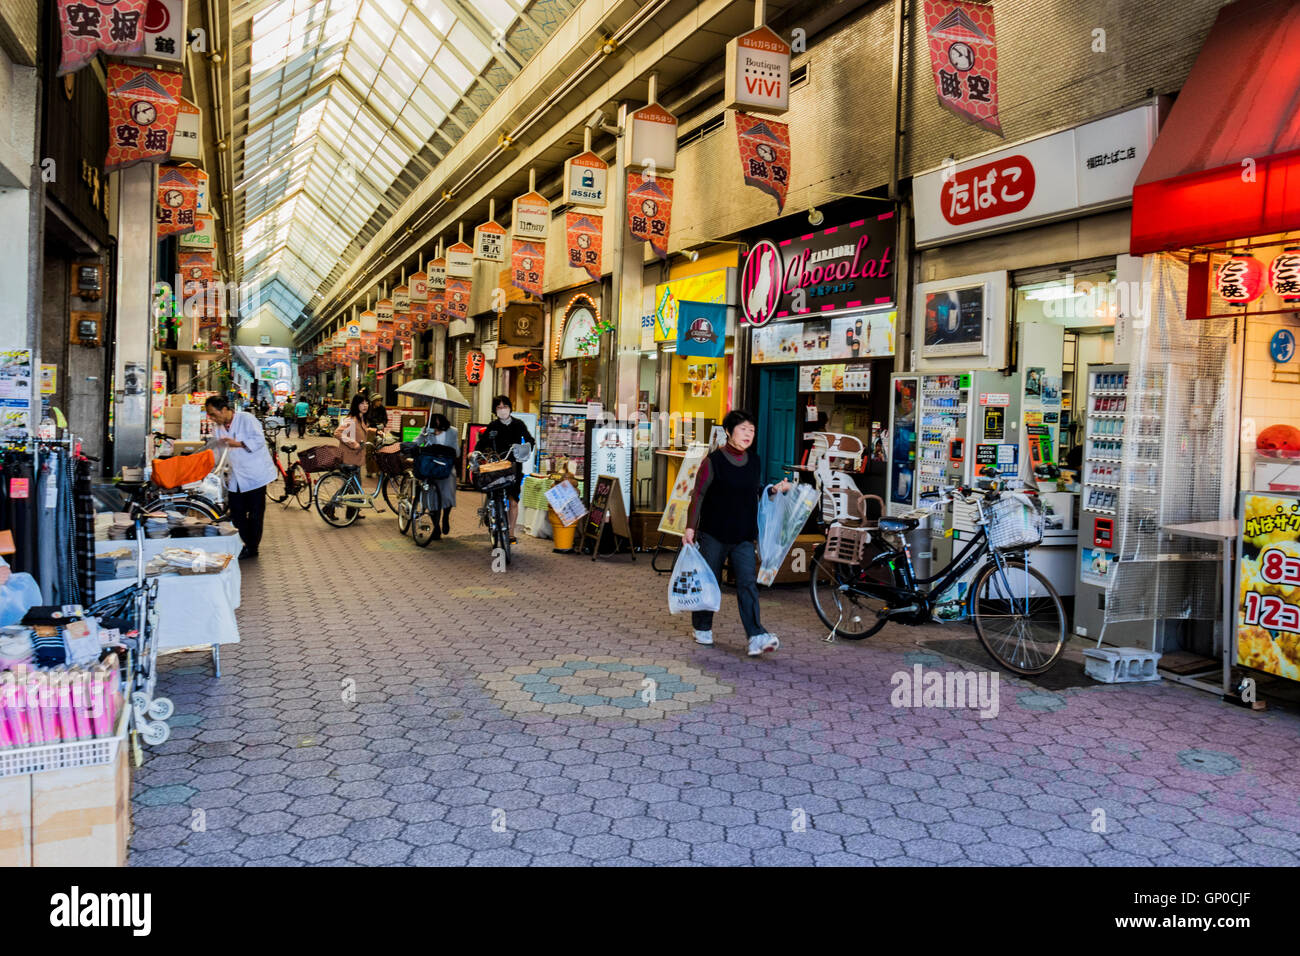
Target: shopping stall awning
[[1226, 164]]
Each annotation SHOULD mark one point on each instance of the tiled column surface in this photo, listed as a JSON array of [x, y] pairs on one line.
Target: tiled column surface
[[393, 705]]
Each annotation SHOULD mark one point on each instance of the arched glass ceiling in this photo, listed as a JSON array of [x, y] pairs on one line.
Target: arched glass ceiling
[[351, 104]]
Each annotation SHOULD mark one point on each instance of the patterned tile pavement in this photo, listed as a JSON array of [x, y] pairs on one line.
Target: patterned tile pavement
[[397, 706]]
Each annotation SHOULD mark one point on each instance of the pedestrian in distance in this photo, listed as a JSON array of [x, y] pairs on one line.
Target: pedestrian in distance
[[251, 469], [301, 410], [723, 523]]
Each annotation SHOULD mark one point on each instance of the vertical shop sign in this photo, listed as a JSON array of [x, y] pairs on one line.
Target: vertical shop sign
[[531, 217], [142, 109], [765, 155], [164, 30], [203, 236], [490, 241], [88, 26], [200, 180], [418, 287], [177, 202], [384, 310], [402, 299], [185, 141], [582, 234], [527, 265], [758, 72], [649, 210], [701, 329], [654, 138], [460, 261], [964, 59], [1268, 609], [437, 276], [586, 179], [458, 291]]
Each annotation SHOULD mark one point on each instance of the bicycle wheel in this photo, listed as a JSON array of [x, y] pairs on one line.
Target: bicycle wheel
[[1018, 616], [328, 489], [392, 491], [301, 481], [501, 524], [278, 490], [190, 505], [850, 615], [407, 503], [424, 526]]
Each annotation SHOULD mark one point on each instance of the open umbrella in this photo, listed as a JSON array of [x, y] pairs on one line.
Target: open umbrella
[[434, 390]]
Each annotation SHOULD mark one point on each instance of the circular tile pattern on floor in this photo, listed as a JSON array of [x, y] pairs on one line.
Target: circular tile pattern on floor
[[639, 688]]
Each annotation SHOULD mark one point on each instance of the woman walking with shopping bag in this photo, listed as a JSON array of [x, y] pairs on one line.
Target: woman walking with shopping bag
[[723, 522]]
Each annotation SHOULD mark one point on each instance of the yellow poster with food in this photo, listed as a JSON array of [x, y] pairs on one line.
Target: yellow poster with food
[[1268, 605]]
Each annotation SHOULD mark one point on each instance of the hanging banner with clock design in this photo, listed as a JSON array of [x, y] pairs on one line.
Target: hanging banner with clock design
[[649, 210], [177, 202], [964, 60], [765, 155], [528, 264], [142, 108], [582, 233]]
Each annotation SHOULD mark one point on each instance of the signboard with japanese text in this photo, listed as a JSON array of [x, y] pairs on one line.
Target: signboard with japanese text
[[531, 217], [460, 261], [650, 210], [832, 270], [142, 109], [528, 265], [1091, 167], [654, 139], [583, 234], [115, 27], [177, 202], [1268, 584], [757, 72], [165, 37], [585, 180], [438, 305], [437, 275], [457, 294], [612, 449], [402, 299], [490, 241], [964, 59], [200, 180], [764, 155], [186, 140], [384, 311], [418, 287]]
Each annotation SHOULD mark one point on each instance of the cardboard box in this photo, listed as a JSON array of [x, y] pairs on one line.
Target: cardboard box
[[172, 429], [82, 816], [172, 413], [16, 821]]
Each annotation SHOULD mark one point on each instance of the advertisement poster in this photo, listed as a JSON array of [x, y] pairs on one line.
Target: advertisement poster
[[868, 335], [678, 507], [765, 155], [1268, 584], [903, 468], [964, 60], [612, 450], [835, 378], [954, 322], [15, 394]]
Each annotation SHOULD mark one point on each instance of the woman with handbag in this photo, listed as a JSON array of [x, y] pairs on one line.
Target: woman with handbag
[[353, 434], [443, 434]]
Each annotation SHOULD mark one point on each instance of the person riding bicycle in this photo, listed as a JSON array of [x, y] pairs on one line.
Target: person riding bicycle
[[723, 522], [501, 437], [353, 434]]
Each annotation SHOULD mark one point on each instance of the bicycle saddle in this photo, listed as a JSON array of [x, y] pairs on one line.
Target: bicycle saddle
[[897, 524], [288, 449]]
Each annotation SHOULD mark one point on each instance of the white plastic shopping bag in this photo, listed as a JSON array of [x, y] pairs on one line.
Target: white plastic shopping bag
[[692, 586], [780, 519]]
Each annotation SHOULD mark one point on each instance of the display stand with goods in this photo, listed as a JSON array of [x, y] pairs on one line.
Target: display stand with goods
[[606, 510]]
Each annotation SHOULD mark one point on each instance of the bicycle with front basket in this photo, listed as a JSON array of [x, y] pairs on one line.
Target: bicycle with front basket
[[419, 500], [1018, 616], [340, 497], [492, 475]]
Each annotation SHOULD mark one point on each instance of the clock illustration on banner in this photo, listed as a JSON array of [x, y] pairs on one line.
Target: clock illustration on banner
[[1282, 346], [649, 208], [961, 56], [143, 112], [174, 198]]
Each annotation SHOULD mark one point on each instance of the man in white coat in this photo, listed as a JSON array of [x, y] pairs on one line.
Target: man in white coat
[[251, 469]]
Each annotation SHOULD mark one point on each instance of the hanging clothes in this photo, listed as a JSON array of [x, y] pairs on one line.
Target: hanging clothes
[[85, 529], [17, 512]]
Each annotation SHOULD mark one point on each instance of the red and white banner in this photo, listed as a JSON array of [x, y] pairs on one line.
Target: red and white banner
[[527, 266], [142, 109], [457, 296], [650, 210], [198, 266], [582, 235], [387, 334], [178, 198], [490, 241], [369, 342], [765, 155], [438, 306], [964, 58], [420, 315], [88, 26]]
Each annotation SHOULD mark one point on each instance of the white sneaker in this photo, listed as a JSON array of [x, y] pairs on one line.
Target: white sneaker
[[704, 637], [763, 644]]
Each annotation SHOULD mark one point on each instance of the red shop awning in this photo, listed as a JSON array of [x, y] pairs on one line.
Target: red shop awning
[[1241, 102]]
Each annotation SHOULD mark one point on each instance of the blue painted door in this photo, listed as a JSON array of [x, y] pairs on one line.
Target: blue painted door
[[778, 396]]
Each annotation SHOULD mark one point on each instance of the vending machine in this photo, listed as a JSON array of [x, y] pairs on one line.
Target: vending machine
[[904, 403], [1105, 438]]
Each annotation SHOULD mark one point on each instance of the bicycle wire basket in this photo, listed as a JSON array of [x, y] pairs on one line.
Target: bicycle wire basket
[[391, 461], [320, 458], [1015, 523], [846, 545]]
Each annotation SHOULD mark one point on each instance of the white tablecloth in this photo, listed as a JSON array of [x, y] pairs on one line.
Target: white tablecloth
[[193, 609]]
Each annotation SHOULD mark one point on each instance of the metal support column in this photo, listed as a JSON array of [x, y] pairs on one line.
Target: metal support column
[[133, 346]]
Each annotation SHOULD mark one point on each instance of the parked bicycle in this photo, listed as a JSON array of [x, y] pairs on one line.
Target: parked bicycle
[[292, 482], [492, 476], [1018, 616], [340, 498], [203, 495]]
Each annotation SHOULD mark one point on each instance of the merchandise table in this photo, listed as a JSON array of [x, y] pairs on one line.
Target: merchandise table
[[1225, 532], [194, 610], [533, 507]]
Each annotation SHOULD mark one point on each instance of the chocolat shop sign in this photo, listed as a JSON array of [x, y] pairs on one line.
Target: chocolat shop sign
[[831, 270]]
